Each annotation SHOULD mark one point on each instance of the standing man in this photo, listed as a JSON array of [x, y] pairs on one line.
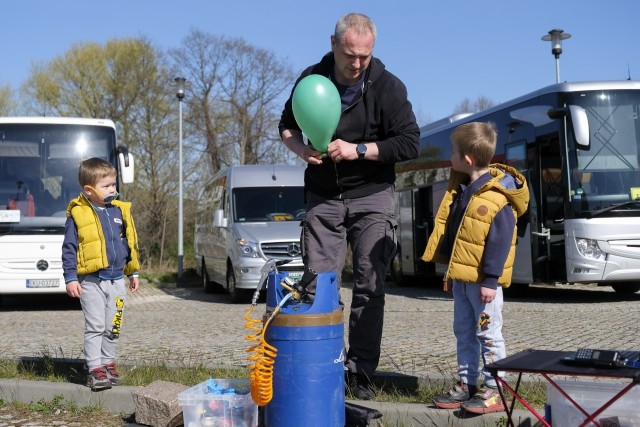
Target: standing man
[[350, 190]]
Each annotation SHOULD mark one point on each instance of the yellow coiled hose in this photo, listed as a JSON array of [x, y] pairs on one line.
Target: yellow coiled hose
[[262, 360]]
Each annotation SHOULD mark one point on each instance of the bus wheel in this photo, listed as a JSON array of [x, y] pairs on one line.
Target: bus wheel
[[626, 288], [208, 286]]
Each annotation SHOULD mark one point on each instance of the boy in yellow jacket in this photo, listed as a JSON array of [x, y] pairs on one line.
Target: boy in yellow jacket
[[475, 235], [99, 249]]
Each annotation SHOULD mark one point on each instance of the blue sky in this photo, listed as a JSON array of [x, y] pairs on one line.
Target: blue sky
[[444, 51]]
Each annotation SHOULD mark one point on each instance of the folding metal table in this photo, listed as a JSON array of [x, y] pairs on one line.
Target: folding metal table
[[546, 363]]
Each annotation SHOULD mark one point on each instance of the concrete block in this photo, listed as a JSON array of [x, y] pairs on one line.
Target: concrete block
[[157, 404]]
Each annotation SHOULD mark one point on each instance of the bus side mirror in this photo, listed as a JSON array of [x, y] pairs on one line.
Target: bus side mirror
[[125, 163], [580, 127], [579, 121], [218, 218]]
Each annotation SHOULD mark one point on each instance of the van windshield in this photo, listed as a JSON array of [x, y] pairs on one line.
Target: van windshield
[[262, 204]]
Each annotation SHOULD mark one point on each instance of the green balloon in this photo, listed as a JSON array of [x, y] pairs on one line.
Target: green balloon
[[317, 108]]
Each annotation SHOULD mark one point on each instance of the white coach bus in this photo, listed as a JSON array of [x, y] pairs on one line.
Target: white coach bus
[[578, 144], [39, 159]]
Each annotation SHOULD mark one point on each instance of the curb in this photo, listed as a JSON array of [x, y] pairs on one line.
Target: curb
[[119, 400]]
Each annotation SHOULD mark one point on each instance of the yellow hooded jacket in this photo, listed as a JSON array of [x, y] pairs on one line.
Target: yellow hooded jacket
[[465, 262], [92, 250]]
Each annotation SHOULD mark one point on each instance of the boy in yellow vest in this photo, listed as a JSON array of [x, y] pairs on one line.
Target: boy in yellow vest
[[475, 235], [99, 249]]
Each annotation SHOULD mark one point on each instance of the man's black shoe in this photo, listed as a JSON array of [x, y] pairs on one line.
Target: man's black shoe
[[359, 385]]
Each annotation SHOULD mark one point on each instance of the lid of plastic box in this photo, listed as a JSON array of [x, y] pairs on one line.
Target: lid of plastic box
[[217, 389]]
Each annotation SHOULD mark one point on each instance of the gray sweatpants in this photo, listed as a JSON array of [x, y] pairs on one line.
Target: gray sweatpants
[[368, 224], [102, 304]]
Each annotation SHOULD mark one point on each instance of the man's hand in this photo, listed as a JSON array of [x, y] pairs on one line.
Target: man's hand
[[293, 140], [340, 150], [74, 290], [311, 156]]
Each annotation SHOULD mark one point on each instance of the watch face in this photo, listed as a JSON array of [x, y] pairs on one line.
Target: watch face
[[361, 149]]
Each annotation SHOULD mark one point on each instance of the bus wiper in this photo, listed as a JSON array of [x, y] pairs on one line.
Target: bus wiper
[[612, 207]]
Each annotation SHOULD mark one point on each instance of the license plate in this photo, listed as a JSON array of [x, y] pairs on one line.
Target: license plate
[[43, 283], [9, 216]]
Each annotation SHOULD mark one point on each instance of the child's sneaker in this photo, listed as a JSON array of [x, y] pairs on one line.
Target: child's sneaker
[[112, 374], [485, 401], [455, 398], [97, 379]]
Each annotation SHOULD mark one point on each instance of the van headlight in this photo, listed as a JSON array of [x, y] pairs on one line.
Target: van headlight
[[248, 249], [589, 248]]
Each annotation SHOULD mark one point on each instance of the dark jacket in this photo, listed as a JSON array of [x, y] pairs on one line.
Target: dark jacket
[[382, 113]]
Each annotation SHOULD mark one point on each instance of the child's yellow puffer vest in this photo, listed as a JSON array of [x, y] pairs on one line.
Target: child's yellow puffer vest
[[466, 257], [92, 250]]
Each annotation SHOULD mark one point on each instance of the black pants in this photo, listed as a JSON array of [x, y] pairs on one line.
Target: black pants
[[368, 224]]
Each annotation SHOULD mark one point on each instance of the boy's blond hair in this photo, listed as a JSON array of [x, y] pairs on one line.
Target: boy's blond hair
[[93, 170], [476, 140]]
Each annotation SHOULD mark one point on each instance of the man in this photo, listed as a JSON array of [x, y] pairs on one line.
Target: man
[[350, 190]]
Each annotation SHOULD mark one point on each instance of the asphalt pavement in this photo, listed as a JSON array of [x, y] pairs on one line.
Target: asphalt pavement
[[183, 326]]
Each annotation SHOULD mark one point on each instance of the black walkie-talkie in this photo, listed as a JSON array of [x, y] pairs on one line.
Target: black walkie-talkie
[[596, 358]]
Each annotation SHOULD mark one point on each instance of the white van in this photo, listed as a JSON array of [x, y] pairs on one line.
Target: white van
[[247, 215]]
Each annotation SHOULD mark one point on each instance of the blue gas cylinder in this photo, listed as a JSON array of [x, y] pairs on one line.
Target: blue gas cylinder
[[308, 373]]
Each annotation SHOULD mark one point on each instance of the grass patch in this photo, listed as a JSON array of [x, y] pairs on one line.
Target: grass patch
[[46, 368], [189, 376], [535, 393], [49, 368], [57, 411], [55, 369]]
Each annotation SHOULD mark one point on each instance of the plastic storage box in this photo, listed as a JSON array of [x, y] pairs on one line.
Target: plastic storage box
[[591, 396], [219, 403]]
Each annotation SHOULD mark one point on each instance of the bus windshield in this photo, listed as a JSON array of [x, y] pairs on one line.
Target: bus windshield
[[607, 174], [262, 204], [39, 171]]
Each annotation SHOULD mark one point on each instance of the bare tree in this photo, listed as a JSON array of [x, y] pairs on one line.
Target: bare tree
[[466, 106], [236, 96]]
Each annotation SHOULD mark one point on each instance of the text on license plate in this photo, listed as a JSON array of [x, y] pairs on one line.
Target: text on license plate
[[43, 283]]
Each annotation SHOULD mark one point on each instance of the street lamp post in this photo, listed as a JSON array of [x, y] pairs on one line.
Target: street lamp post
[[180, 82], [555, 37]]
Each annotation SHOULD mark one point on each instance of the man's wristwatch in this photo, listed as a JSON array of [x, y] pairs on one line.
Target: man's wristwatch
[[361, 149]]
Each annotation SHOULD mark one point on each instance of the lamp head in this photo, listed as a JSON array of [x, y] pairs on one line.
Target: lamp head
[[180, 82], [556, 36]]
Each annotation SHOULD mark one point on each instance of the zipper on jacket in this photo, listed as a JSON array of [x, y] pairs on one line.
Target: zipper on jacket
[[364, 131], [335, 167], [113, 246]]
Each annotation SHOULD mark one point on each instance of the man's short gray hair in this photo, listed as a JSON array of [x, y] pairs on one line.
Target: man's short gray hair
[[361, 24]]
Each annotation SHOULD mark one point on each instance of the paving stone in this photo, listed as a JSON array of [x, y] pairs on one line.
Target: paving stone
[[157, 404]]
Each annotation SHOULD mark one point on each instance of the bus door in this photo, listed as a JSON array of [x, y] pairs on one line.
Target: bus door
[[516, 157], [549, 187], [423, 221]]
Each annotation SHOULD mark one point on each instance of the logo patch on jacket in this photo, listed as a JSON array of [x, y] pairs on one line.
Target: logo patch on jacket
[[482, 210], [117, 220]]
